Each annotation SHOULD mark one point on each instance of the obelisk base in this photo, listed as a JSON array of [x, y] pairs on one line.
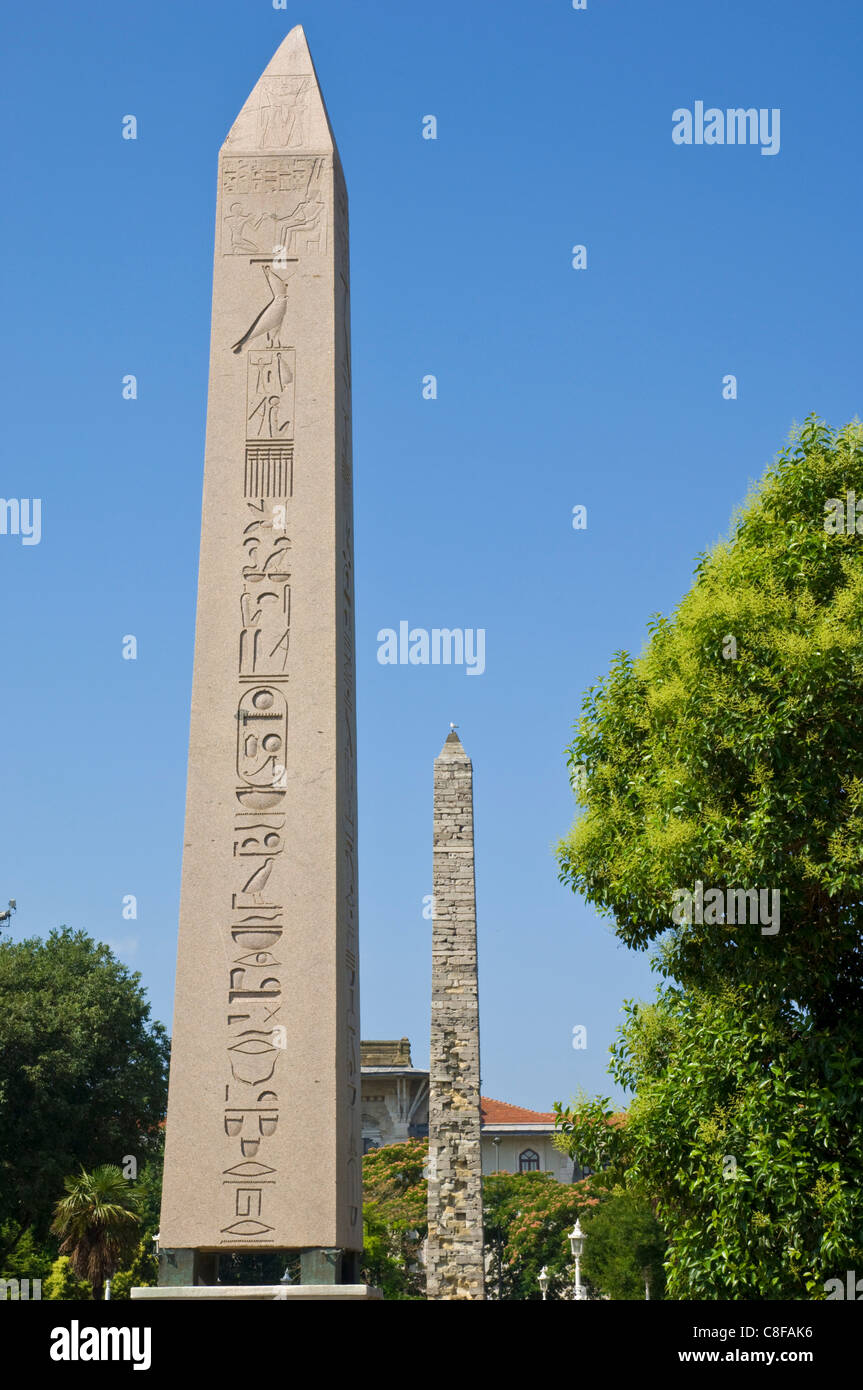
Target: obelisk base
[[187, 1267], [330, 1293], [195, 1274]]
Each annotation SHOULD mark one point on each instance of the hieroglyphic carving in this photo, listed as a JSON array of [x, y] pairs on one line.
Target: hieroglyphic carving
[[346, 331], [270, 321], [259, 837], [262, 732], [254, 983], [246, 231], [252, 226], [269, 470], [299, 175], [251, 1110], [256, 1038], [265, 605], [266, 544], [276, 115], [270, 396], [347, 715], [354, 1161]]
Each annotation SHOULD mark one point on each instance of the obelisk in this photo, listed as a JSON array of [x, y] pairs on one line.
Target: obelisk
[[263, 1146], [454, 1256]]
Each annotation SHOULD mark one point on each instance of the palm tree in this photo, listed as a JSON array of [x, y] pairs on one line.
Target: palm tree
[[98, 1220]]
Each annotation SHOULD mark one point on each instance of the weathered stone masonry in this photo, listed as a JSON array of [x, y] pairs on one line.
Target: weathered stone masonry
[[455, 1239]]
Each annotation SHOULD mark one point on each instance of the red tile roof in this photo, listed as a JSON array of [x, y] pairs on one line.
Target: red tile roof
[[499, 1112]]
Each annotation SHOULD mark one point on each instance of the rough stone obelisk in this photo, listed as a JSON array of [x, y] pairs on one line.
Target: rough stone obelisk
[[454, 1255], [263, 1147]]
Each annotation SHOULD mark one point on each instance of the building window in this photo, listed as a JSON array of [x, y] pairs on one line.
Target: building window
[[528, 1161]]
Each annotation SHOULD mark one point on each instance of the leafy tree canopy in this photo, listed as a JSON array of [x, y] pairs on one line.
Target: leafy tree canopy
[[624, 1248], [527, 1219], [25, 1257], [63, 1283], [731, 753], [99, 1223], [745, 1134], [739, 763], [394, 1181], [142, 1272], [83, 1070], [395, 1198]]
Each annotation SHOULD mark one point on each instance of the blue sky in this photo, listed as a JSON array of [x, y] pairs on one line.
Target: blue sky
[[556, 387]]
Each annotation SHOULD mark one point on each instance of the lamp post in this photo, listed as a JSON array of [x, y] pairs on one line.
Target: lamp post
[[496, 1142], [576, 1245], [542, 1279]]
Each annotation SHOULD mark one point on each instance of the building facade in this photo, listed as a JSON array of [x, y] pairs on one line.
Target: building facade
[[395, 1108]]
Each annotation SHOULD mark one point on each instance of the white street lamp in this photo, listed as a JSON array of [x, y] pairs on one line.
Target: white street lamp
[[576, 1245], [543, 1281]]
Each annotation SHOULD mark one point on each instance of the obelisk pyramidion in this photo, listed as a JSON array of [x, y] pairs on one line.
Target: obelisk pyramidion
[[263, 1143], [455, 1229]]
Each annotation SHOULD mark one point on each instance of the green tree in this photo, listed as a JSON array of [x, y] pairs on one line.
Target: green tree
[[83, 1070], [26, 1256], [742, 770], [394, 1180], [527, 1218], [97, 1222], [148, 1186], [395, 1218], [386, 1263], [144, 1267], [746, 1127], [730, 754], [141, 1273], [63, 1283], [624, 1248]]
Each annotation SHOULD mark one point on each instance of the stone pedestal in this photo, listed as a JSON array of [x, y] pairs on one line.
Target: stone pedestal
[[187, 1267]]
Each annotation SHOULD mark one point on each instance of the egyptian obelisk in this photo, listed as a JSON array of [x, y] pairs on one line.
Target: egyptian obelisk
[[454, 1257], [263, 1144]]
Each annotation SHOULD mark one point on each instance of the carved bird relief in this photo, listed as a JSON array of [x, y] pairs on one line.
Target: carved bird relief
[[271, 318]]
